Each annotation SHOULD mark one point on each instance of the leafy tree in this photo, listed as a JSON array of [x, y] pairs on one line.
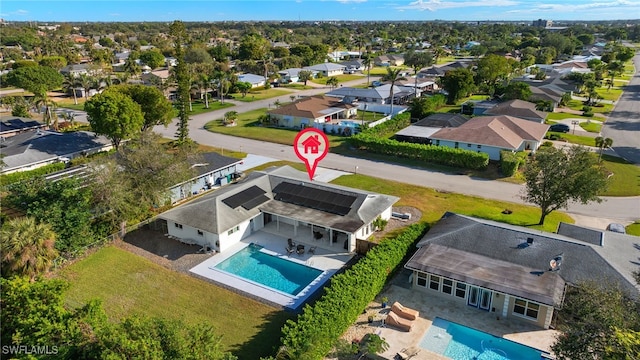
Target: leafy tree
[[624, 53], [153, 58], [492, 69], [423, 106], [28, 247], [417, 61], [392, 75], [114, 115], [20, 107], [131, 67], [182, 78], [56, 62], [230, 117], [243, 87], [614, 68], [602, 143], [458, 83], [304, 76], [556, 176], [253, 47], [63, 204], [517, 90], [36, 79], [372, 344], [197, 55], [597, 322], [155, 107]]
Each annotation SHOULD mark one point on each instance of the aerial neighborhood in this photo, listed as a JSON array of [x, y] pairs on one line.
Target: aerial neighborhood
[[478, 198]]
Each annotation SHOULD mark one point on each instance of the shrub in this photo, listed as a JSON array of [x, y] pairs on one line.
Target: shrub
[[25, 175], [315, 331], [546, 144], [510, 162]]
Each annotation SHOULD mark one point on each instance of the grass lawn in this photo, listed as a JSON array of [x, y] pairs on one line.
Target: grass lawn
[[199, 107], [592, 126], [341, 78], [128, 284], [254, 95], [382, 70], [625, 180], [577, 105], [612, 94], [634, 229], [249, 127], [574, 139], [446, 59], [296, 86]]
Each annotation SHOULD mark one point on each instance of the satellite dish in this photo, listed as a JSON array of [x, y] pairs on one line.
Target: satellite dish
[[553, 264]]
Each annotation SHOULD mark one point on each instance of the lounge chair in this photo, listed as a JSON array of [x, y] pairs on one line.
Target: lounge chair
[[290, 250], [291, 243], [312, 250], [300, 249], [396, 321], [404, 312]]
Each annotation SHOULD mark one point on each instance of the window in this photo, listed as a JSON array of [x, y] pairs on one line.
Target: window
[[233, 230], [179, 226], [461, 290], [468, 145], [479, 146], [456, 145], [422, 279], [437, 142], [434, 282], [200, 232], [447, 286], [526, 308]]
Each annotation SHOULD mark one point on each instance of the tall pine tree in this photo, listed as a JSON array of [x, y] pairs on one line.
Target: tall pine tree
[[182, 79]]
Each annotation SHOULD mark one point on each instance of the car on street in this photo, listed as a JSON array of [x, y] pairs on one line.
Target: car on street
[[559, 128]]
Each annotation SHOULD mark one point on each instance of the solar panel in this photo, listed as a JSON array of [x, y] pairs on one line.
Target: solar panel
[[255, 202], [324, 200], [243, 196]]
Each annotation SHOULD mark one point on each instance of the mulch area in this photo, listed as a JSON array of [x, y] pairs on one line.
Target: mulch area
[[154, 246]]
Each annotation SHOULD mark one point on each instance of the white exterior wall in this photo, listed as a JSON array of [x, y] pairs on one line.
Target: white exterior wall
[[190, 234], [493, 152], [227, 240]]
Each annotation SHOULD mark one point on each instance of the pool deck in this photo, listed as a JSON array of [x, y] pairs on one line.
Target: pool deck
[[327, 259], [431, 307]]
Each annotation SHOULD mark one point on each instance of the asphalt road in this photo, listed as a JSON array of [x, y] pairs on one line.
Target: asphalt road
[[623, 125], [622, 209]]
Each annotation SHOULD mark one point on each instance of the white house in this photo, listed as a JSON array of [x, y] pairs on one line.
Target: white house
[[254, 80], [491, 134], [284, 200], [312, 110], [327, 69]]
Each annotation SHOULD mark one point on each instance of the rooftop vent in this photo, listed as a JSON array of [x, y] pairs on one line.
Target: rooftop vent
[[554, 264]]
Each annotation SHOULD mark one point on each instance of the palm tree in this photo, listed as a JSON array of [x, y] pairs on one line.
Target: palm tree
[[602, 143], [132, 67], [366, 62], [332, 82], [48, 116], [230, 117], [392, 75], [28, 247], [85, 81], [70, 83]]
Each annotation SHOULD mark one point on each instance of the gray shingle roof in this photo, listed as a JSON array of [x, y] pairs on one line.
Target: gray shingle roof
[[211, 214], [9, 124], [509, 243]]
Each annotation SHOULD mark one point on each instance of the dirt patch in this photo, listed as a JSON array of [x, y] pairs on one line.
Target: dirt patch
[[395, 224]]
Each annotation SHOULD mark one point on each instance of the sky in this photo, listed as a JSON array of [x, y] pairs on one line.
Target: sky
[[323, 10]]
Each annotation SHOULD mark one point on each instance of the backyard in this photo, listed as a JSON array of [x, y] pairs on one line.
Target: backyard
[[256, 94]]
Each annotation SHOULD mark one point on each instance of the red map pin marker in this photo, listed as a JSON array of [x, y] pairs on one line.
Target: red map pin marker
[[311, 145]]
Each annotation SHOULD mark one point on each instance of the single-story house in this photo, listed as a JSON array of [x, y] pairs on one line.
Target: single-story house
[[422, 84], [308, 111], [352, 66], [513, 271], [421, 131], [290, 75], [13, 125], [33, 149], [341, 55], [389, 60], [155, 77], [520, 109], [327, 69], [254, 80], [438, 71], [282, 198], [491, 134], [77, 69], [212, 170], [377, 95]]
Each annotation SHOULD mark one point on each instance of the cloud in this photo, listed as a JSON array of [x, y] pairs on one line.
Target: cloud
[[435, 5], [351, 1], [20, 12], [114, 14], [561, 7]]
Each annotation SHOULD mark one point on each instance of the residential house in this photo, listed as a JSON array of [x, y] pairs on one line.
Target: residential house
[[76, 70], [284, 200], [423, 85], [280, 44], [327, 69], [254, 80], [516, 272], [492, 134], [213, 170], [421, 131], [337, 56], [290, 75], [33, 149], [312, 110], [352, 66], [439, 71], [389, 60], [520, 109], [13, 125], [376, 95], [155, 77]]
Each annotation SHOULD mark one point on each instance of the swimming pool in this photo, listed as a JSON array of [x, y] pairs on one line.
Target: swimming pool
[[459, 342], [269, 270]]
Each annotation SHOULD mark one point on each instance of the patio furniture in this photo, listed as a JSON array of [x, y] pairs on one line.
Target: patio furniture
[[312, 250], [396, 321], [404, 312], [317, 235], [300, 249], [290, 250], [406, 354], [292, 244]]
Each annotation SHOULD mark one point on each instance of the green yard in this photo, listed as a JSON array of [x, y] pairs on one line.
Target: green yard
[[577, 105], [297, 86], [254, 95], [341, 78], [625, 178], [128, 284]]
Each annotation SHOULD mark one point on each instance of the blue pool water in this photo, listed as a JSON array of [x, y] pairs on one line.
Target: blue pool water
[[269, 270], [459, 342], [347, 123]]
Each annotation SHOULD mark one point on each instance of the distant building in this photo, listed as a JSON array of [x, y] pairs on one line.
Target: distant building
[[542, 23]]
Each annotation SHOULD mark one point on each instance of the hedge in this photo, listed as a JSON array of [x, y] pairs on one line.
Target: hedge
[[443, 155], [509, 163], [24, 175], [317, 329]]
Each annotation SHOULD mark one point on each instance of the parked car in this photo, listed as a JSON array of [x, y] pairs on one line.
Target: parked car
[[559, 128], [615, 227]]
